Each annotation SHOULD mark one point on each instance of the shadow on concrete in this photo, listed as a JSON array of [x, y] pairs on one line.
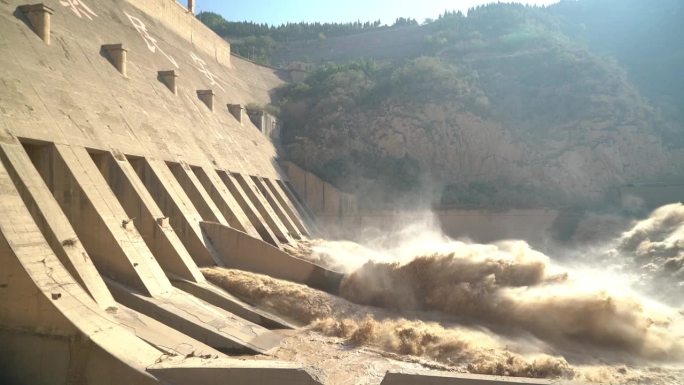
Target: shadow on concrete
[[105, 55], [22, 17]]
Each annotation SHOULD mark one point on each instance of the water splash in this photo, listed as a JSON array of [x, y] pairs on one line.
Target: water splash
[[501, 308]]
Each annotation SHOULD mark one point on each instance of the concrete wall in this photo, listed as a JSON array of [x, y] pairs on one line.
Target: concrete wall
[[51, 331], [239, 373], [180, 20], [533, 225], [149, 219], [69, 92], [48, 316], [338, 214], [324, 199], [242, 252]]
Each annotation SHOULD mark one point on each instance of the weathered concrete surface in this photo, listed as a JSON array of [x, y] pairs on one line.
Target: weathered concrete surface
[[263, 208], [432, 378], [199, 320], [320, 196], [163, 338], [51, 331], [117, 249], [52, 222], [87, 189], [240, 251], [248, 208], [221, 299], [228, 205], [38, 16], [197, 193], [68, 92], [287, 205], [176, 205], [277, 208], [217, 372], [151, 223], [303, 210], [182, 21]]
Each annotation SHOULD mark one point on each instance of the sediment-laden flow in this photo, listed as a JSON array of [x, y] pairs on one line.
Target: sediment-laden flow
[[501, 308], [654, 248], [465, 347], [508, 285], [473, 348]]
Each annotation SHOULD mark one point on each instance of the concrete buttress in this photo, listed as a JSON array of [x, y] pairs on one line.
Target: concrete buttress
[[228, 205], [287, 205], [149, 219], [53, 223], [197, 193], [276, 207], [248, 208], [272, 220], [175, 204]]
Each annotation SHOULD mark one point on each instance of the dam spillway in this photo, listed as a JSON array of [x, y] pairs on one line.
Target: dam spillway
[[123, 171]]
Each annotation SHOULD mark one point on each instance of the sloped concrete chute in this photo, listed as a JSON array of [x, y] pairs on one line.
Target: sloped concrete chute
[[241, 251]]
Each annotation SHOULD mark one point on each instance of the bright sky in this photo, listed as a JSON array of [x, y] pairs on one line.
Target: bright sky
[[282, 11]]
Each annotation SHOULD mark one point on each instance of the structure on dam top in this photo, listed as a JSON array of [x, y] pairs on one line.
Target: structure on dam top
[[126, 165]]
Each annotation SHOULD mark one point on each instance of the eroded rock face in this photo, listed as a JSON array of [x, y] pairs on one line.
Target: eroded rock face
[[580, 162], [512, 113]]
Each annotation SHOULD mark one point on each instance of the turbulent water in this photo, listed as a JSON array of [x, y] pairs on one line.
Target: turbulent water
[[502, 308], [655, 248], [468, 347], [508, 285]]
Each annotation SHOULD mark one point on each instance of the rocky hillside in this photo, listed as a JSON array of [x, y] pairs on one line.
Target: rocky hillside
[[511, 106], [644, 37], [503, 107]]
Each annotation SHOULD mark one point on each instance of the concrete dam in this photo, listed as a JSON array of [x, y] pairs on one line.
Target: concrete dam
[[128, 164]]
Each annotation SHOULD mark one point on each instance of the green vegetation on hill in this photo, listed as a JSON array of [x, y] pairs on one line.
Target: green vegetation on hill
[[284, 32], [328, 108], [644, 37], [504, 108], [510, 106], [257, 41]]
